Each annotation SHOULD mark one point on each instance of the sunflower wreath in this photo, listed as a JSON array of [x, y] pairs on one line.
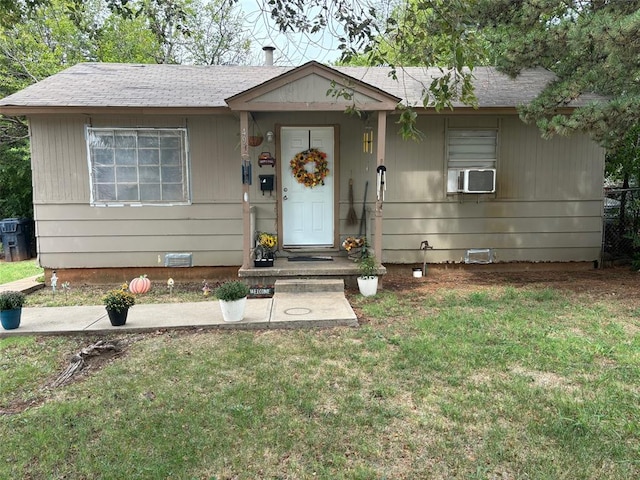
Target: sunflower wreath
[[300, 173]]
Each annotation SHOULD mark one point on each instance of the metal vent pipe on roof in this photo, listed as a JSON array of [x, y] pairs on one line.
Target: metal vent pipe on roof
[[268, 55]]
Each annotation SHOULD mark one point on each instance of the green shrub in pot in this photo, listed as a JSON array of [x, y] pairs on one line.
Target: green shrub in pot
[[11, 300], [233, 290]]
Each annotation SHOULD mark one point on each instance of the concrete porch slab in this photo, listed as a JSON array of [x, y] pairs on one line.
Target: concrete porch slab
[[294, 310]]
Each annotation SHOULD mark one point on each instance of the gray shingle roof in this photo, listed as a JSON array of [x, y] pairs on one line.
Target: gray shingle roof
[[493, 89], [188, 86]]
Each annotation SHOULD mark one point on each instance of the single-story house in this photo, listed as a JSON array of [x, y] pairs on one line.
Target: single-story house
[[144, 165]]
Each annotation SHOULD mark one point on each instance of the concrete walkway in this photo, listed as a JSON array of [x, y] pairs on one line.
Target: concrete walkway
[[283, 310], [25, 285]]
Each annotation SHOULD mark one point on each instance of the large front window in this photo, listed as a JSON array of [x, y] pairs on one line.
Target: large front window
[[138, 166]]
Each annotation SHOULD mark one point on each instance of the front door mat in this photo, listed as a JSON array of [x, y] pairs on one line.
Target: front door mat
[[310, 259]]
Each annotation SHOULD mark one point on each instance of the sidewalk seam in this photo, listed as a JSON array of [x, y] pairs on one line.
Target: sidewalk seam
[[271, 309], [94, 322]]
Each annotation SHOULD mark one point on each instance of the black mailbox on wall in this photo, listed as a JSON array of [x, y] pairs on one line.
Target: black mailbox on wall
[[266, 183]]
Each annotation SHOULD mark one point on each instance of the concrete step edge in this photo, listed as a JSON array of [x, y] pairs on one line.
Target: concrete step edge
[[301, 285]]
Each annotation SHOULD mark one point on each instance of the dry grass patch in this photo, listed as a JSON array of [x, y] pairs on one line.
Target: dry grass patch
[[545, 379]]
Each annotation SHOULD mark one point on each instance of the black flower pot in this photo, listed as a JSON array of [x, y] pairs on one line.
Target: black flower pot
[[263, 262], [116, 318]]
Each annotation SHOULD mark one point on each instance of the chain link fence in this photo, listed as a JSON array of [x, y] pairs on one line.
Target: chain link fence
[[621, 225]]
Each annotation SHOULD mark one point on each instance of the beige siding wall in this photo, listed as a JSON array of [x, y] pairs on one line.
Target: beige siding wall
[[58, 150], [562, 168], [311, 89], [547, 206], [516, 230], [73, 234]]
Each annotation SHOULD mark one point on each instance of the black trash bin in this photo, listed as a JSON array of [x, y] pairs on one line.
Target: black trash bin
[[18, 239]]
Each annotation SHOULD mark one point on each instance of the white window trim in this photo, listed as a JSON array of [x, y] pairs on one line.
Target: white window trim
[[186, 169]]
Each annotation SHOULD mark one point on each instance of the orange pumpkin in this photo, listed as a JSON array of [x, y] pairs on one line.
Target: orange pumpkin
[[140, 285]]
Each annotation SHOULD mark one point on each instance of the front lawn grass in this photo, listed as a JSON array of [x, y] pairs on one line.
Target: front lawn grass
[[11, 271], [506, 382], [92, 295]]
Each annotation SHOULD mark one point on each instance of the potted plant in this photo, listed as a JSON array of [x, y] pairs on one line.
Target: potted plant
[[232, 297], [117, 303], [264, 253], [11, 303], [368, 279], [255, 138]]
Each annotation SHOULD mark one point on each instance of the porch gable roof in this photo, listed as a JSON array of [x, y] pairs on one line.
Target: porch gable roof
[[313, 86]]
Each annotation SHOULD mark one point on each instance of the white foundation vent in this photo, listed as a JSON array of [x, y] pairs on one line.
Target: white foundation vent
[[479, 255]]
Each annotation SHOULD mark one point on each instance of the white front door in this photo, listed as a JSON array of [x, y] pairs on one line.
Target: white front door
[[307, 213]]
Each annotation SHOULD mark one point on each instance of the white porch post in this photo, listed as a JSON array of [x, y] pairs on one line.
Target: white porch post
[[382, 135], [247, 234]]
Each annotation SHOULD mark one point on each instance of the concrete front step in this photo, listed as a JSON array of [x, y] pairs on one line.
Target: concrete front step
[[309, 285]]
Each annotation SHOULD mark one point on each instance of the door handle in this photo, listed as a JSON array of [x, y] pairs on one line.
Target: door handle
[[285, 198]]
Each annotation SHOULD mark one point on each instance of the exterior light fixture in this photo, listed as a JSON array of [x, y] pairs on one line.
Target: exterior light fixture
[[270, 136]]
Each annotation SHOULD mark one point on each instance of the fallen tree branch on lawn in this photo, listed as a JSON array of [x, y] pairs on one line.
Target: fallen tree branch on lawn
[[78, 360]]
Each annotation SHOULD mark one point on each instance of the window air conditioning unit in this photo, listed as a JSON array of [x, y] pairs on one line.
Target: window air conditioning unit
[[477, 180]]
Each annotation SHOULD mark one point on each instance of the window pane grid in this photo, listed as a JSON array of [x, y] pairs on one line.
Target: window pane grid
[[138, 165]]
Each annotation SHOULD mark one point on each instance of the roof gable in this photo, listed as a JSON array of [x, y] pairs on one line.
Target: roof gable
[[309, 87]]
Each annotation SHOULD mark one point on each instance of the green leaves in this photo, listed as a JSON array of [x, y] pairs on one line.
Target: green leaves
[[592, 47], [407, 122], [41, 37], [15, 182]]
